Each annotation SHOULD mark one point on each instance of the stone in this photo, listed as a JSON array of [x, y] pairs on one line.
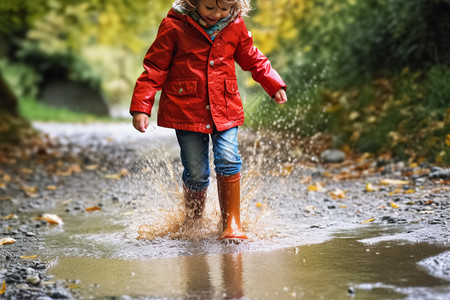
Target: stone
[[332, 156]]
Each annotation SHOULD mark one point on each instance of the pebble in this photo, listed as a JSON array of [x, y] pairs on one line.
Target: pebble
[[332, 156], [33, 279]]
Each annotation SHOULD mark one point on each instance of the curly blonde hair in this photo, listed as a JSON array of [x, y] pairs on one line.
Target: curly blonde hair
[[239, 7]]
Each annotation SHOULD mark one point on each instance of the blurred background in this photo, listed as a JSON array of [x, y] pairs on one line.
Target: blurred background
[[372, 75]]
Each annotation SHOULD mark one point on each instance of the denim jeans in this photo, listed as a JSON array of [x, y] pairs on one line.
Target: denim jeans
[[194, 151]]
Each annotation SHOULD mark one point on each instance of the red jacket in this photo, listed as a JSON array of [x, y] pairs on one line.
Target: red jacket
[[197, 75]]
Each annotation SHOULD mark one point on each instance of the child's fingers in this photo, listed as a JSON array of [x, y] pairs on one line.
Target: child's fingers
[[280, 96]]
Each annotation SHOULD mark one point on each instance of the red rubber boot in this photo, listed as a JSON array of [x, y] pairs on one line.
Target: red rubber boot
[[230, 205]]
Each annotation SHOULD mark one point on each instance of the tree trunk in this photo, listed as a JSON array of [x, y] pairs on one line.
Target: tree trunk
[[8, 101]]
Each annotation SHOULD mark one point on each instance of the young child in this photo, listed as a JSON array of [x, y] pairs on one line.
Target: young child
[[192, 61]]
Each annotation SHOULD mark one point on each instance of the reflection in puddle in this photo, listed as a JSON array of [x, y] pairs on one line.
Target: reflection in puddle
[[386, 270]]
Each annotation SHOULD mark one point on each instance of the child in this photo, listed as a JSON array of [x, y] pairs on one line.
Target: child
[[192, 61]]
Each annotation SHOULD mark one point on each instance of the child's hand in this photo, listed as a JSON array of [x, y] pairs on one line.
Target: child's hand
[[140, 121], [280, 96]]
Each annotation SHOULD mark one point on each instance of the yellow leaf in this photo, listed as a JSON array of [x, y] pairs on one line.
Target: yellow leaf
[[393, 182], [368, 221], [30, 191], [394, 205], [51, 219], [29, 256], [5, 241], [447, 140], [3, 290], [9, 217], [410, 191], [93, 208], [117, 176], [317, 187], [305, 179], [5, 198], [2, 185], [51, 187], [258, 204], [370, 188], [91, 167], [337, 194]]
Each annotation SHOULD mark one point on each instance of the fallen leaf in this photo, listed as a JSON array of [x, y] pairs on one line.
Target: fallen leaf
[[258, 204], [393, 182], [30, 191], [447, 140], [2, 185], [93, 208], [67, 202], [51, 219], [338, 194], [5, 241], [91, 167], [410, 191], [3, 289], [29, 256], [370, 187], [117, 176], [9, 217], [51, 187], [394, 205], [368, 221], [5, 198], [317, 187], [306, 179], [73, 286]]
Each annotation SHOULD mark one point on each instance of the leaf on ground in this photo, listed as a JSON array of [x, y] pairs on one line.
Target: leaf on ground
[[3, 289], [410, 191], [93, 208], [9, 217], [258, 204], [91, 167], [5, 198], [51, 219], [393, 182], [338, 194], [122, 173], [370, 187], [30, 191], [447, 140], [51, 187], [394, 205], [2, 185], [5, 241], [368, 221], [317, 187], [29, 256], [305, 179]]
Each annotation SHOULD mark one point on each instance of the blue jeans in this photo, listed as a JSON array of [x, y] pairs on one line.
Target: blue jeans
[[194, 151]]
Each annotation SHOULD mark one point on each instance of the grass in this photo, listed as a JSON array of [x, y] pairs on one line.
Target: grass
[[32, 110]]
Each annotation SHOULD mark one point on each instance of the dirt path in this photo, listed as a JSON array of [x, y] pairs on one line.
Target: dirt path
[[79, 169]]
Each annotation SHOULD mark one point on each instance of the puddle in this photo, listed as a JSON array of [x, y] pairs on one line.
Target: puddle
[[292, 252], [385, 270]]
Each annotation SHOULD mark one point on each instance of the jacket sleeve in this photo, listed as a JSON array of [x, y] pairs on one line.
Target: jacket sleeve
[[156, 68], [252, 59]]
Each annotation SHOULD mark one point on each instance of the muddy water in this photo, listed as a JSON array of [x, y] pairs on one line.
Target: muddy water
[[108, 266], [287, 256]]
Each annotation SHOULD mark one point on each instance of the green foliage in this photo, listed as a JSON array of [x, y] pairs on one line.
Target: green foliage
[[22, 79], [386, 81], [32, 110]]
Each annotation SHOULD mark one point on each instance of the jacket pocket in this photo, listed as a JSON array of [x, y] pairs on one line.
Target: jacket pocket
[[235, 110], [181, 87]]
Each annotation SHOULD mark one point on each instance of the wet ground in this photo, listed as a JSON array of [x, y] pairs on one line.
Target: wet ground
[[362, 229]]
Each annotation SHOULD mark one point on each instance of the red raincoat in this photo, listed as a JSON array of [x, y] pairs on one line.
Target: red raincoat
[[197, 75]]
